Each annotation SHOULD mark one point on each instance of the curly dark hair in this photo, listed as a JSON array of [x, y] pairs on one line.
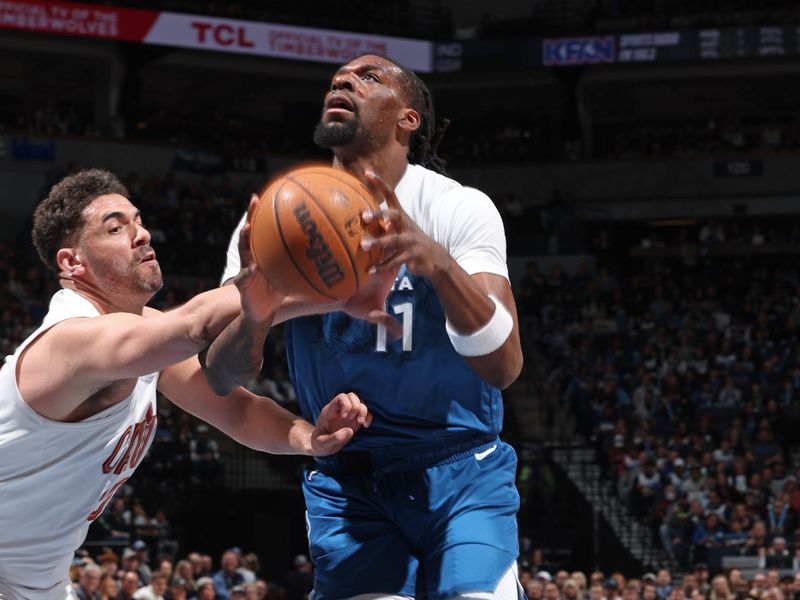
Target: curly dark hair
[[59, 216], [425, 140]]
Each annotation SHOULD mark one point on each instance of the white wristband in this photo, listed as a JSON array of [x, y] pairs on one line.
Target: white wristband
[[488, 338]]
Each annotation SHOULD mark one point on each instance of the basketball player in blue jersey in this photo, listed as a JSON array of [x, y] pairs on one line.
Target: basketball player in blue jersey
[[423, 504]]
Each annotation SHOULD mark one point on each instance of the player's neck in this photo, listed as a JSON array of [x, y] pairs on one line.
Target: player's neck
[[387, 166], [104, 302]]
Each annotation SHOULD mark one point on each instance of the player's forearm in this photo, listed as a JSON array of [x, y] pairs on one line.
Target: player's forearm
[[254, 421], [292, 308], [236, 355], [268, 427], [466, 303], [207, 314], [467, 306]]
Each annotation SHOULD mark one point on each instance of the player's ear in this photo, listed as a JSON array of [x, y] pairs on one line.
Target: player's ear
[[69, 262], [409, 120]]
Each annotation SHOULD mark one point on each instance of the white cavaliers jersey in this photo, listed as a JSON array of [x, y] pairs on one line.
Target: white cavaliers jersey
[[56, 478]]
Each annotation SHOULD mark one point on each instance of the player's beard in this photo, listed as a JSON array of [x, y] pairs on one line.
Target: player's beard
[[150, 282], [135, 276], [334, 134]]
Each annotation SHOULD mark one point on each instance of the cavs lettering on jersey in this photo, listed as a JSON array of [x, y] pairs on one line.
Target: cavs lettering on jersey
[[438, 395], [56, 478]]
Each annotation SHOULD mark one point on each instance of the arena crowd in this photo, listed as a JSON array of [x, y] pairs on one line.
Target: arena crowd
[[108, 576], [684, 372], [678, 355]]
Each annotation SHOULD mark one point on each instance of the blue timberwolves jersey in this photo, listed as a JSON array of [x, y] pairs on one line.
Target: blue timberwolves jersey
[[417, 386]]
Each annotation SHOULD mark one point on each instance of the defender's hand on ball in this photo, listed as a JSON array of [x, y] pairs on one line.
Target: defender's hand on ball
[[369, 303], [260, 299], [400, 238], [338, 422]]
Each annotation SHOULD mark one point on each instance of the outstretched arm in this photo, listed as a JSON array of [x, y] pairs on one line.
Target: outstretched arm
[[259, 422], [236, 355], [79, 357]]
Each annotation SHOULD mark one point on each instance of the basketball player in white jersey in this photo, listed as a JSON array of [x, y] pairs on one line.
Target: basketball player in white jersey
[[78, 397]]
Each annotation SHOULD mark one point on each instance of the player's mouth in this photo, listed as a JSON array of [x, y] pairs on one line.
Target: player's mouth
[[339, 104], [148, 257]]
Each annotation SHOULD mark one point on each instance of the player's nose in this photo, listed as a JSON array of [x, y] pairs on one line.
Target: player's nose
[[141, 237], [343, 81]]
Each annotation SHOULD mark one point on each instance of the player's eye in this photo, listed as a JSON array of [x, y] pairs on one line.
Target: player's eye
[[371, 76], [115, 229]]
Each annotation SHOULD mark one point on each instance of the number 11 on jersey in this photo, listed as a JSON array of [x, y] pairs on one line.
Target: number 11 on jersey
[[406, 309]]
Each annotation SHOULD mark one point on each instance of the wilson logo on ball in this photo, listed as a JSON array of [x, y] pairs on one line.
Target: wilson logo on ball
[[330, 271], [306, 234]]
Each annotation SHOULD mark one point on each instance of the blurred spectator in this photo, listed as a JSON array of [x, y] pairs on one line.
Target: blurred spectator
[[89, 583], [228, 576], [129, 584], [204, 452], [139, 546], [251, 567], [300, 581], [108, 588], [132, 564], [184, 572], [778, 555], [178, 589], [205, 589], [551, 591], [155, 590]]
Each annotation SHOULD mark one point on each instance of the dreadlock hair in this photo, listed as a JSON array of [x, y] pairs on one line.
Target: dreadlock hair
[[426, 139]]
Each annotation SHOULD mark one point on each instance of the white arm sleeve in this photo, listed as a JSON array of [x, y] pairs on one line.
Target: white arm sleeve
[[233, 264], [472, 231]]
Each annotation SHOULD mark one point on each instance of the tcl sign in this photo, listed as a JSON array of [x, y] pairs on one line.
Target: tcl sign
[[283, 41], [222, 34]]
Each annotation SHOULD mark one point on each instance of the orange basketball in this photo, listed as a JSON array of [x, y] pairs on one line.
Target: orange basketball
[[306, 234]]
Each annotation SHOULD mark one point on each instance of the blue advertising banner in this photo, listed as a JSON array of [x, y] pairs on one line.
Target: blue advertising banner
[[676, 45], [25, 148], [570, 51]]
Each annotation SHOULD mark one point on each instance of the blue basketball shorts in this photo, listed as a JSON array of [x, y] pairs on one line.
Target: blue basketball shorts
[[432, 533]]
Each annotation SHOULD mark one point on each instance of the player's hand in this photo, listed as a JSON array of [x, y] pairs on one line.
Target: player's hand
[[338, 422], [400, 239], [369, 303], [260, 299]]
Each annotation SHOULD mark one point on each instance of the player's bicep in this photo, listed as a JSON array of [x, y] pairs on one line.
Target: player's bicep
[[475, 236], [121, 345]]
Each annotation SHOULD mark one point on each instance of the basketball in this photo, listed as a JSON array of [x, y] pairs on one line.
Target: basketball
[[306, 234]]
